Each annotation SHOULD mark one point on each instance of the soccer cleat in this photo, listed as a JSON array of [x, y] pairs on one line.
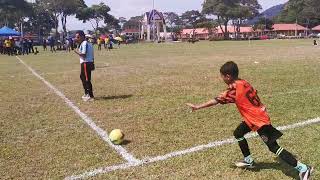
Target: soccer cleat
[[84, 96], [244, 164], [307, 174], [91, 99]]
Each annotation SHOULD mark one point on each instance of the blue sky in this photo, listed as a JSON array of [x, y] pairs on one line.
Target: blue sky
[[129, 8]]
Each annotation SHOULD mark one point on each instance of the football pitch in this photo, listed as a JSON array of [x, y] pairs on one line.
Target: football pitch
[[48, 132]]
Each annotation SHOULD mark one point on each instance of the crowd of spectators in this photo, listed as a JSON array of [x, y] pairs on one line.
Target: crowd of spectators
[[17, 46]]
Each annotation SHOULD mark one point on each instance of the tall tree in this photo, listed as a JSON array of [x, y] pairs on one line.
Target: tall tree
[[305, 12], [263, 24], [39, 21], [96, 15], [12, 12], [68, 8], [242, 11], [226, 10], [192, 18], [113, 23], [53, 8], [62, 9], [221, 9], [133, 23], [172, 19], [292, 11]]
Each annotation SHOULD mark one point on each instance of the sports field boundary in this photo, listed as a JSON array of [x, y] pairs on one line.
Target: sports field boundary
[[214, 144], [99, 131], [131, 160]]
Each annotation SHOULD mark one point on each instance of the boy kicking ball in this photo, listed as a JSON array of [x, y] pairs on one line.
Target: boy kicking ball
[[255, 118]]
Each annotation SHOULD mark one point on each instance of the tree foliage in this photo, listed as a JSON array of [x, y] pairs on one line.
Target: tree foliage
[[172, 19], [97, 15], [263, 24], [62, 9], [39, 21], [12, 12], [190, 19], [133, 23], [226, 10], [306, 12]]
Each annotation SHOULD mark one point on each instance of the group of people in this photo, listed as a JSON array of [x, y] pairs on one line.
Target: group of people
[[108, 42], [67, 44], [17, 46]]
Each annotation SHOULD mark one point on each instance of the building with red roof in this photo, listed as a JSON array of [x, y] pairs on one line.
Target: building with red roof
[[245, 32], [131, 32], [289, 29], [316, 29], [199, 33]]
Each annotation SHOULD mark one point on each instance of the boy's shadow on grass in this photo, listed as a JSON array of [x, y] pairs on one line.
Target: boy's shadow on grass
[[114, 97], [286, 169], [125, 142]]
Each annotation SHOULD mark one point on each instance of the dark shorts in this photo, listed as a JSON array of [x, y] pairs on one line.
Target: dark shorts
[[269, 134]]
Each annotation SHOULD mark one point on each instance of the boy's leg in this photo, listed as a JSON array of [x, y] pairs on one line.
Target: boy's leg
[[83, 79], [239, 133], [88, 78], [269, 135]]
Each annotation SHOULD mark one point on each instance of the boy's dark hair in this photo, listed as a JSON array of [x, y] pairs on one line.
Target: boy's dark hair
[[230, 68], [81, 33]]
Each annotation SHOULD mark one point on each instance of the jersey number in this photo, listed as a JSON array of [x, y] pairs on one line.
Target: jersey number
[[253, 98]]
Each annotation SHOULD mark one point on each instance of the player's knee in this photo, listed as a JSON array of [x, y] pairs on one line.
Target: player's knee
[[237, 134]]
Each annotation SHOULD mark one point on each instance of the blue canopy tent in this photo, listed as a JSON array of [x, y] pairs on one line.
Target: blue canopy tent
[[5, 31]]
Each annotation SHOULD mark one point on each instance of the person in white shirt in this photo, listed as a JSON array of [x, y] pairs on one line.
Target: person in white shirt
[[86, 54]]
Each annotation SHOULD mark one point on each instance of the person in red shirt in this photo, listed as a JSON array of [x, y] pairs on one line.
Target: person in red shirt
[[255, 118]]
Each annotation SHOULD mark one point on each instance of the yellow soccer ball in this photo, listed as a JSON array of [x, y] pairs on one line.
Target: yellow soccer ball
[[116, 136]]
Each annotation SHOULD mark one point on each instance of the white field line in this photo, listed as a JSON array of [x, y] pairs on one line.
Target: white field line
[[214, 144], [103, 134]]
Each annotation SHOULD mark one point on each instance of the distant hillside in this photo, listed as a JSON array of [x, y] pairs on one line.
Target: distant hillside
[[269, 13]]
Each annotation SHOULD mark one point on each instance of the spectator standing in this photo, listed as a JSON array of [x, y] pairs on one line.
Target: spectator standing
[[86, 54]]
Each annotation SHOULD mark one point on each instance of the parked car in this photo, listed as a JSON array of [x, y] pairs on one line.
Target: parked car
[[312, 35], [264, 37]]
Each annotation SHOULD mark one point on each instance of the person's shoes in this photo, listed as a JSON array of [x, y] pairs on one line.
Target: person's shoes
[[84, 96], [91, 99], [244, 164], [307, 174], [88, 99]]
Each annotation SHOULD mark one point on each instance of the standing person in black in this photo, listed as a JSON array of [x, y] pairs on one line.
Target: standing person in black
[[86, 54], [30, 46], [1, 46], [25, 49], [51, 43], [44, 44]]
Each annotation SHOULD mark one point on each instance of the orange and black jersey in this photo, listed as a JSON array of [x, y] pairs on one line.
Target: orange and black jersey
[[248, 103]]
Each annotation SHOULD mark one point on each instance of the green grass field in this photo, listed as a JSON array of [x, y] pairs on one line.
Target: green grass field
[[142, 89]]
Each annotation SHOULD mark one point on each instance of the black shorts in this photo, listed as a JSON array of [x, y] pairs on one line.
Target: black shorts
[[269, 134]]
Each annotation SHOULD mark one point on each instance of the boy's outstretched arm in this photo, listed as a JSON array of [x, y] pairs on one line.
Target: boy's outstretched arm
[[210, 103]]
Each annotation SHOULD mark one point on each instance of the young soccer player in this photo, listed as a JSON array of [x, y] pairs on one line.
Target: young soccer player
[[255, 118]]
